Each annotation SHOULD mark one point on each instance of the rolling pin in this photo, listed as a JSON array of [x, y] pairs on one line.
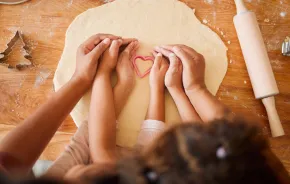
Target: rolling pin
[[258, 64]]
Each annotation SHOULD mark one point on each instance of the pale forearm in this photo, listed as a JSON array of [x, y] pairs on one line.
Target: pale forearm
[[27, 141], [121, 95], [102, 120], [207, 106], [185, 108], [156, 108]]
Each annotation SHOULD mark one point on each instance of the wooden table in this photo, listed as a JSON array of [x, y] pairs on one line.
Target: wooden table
[[44, 23]]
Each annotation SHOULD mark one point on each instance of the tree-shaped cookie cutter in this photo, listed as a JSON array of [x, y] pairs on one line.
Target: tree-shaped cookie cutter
[[4, 55]]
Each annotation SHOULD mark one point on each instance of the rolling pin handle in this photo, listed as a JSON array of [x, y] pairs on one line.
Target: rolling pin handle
[[240, 6], [275, 123]]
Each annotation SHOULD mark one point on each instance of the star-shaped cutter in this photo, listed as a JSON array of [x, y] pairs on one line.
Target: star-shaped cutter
[[4, 55]]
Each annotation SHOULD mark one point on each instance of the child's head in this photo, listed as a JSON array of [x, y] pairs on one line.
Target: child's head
[[220, 152]]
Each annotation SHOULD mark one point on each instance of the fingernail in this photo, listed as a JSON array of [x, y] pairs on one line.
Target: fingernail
[[159, 55], [172, 55], [107, 40], [175, 48], [120, 41]]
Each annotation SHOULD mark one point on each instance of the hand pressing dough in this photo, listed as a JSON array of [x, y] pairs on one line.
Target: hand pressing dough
[[153, 23]]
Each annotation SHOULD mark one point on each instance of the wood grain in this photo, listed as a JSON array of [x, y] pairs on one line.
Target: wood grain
[[44, 23]]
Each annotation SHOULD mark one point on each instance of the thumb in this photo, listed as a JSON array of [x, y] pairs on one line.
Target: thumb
[[100, 49]]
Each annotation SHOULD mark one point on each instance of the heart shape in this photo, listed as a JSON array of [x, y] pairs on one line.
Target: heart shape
[[144, 58]]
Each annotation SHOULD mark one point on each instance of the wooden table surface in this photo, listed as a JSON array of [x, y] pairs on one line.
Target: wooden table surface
[[44, 23]]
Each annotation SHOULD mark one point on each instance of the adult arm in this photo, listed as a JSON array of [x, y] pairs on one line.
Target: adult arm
[[27, 141]]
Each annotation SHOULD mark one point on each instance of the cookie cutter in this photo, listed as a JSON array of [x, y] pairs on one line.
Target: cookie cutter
[[286, 47], [4, 55], [144, 58]]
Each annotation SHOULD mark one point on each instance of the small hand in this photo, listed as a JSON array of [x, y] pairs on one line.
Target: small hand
[[111, 55], [88, 55], [193, 65], [173, 77], [158, 72], [125, 70]]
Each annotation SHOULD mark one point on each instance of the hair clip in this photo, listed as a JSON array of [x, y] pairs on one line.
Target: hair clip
[[151, 176], [221, 153]]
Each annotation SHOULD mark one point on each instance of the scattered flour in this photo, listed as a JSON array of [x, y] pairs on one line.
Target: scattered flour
[[283, 14], [209, 1], [41, 77], [204, 21], [70, 3]]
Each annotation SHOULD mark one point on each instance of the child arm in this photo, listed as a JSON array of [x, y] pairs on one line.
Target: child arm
[[206, 105], [173, 82], [156, 108], [102, 116]]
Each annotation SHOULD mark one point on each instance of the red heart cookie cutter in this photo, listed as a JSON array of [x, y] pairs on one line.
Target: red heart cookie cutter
[[144, 58]]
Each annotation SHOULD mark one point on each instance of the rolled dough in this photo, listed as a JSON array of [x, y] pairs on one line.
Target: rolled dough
[[153, 23]]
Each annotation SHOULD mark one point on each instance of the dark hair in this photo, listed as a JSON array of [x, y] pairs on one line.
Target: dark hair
[[220, 152]]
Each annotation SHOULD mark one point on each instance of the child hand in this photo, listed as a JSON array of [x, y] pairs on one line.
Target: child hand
[[88, 55], [110, 57], [193, 65], [125, 70], [173, 77], [158, 71]]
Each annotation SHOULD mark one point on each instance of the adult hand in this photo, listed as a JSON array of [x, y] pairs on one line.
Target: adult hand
[[88, 55], [125, 70], [158, 71], [193, 65], [110, 56]]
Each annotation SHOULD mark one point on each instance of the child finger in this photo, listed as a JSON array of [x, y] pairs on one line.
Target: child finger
[[174, 62], [129, 48], [136, 47], [154, 53], [157, 61], [127, 41], [114, 48]]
